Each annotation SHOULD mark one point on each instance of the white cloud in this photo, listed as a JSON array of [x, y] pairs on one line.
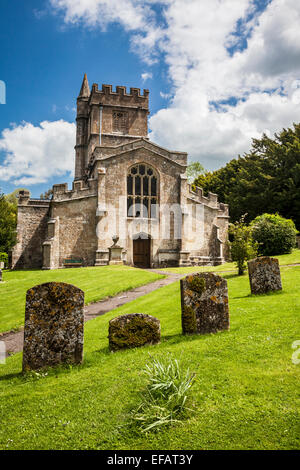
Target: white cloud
[[34, 154], [146, 76], [131, 14], [165, 96], [193, 38]]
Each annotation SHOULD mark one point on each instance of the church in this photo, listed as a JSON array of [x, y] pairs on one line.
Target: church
[[130, 201]]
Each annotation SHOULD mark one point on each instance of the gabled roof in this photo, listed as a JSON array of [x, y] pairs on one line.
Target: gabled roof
[[104, 153]]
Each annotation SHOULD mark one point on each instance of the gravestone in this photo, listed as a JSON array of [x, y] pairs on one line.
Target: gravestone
[[204, 304], [54, 321], [264, 275], [132, 331]]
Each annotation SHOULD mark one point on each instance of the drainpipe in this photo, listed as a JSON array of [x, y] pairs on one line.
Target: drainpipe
[[100, 126]]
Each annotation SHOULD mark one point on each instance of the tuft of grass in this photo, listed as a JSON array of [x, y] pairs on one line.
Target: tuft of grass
[[165, 399]]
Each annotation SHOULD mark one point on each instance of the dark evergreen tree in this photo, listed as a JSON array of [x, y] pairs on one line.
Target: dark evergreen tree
[[266, 180]]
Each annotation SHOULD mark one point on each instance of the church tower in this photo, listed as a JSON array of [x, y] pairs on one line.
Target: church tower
[[107, 118]]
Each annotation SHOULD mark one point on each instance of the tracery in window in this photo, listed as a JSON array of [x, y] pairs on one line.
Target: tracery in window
[[142, 192]]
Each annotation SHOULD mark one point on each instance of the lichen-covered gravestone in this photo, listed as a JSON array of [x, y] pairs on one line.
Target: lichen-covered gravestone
[[264, 275], [204, 304], [54, 322], [132, 331]]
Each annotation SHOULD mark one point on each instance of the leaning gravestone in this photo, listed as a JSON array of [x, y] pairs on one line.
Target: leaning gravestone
[[264, 275], [132, 331], [204, 304], [54, 320]]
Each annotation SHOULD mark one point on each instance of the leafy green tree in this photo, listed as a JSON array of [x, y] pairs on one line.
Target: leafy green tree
[[194, 170], [243, 247], [12, 198], [46, 194], [8, 223], [266, 180], [274, 234]]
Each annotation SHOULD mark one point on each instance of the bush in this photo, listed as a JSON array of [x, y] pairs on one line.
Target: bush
[[165, 398], [243, 247], [4, 258], [274, 234]]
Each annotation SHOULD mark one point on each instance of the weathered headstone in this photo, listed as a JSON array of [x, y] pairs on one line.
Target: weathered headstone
[[54, 322], [264, 275], [204, 304], [133, 330]]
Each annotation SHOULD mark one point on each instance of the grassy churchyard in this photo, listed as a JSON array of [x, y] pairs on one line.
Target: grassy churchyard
[[246, 393], [96, 283]]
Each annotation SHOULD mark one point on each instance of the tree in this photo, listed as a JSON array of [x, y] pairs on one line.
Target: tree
[[242, 247], [47, 194], [274, 234], [194, 170], [266, 180], [8, 223], [12, 198]]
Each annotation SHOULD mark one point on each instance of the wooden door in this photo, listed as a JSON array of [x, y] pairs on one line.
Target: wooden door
[[141, 252]]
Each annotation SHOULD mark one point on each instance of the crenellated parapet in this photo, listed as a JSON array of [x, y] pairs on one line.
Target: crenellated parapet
[[80, 189], [211, 200], [119, 97]]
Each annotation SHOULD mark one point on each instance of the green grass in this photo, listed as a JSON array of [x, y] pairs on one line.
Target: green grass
[[291, 258], [97, 283], [246, 394]]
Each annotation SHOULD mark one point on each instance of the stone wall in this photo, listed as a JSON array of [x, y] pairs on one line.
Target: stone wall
[[77, 229], [31, 233]]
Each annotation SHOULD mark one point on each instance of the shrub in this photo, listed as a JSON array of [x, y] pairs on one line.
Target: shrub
[[165, 398], [4, 258], [274, 234], [243, 247]]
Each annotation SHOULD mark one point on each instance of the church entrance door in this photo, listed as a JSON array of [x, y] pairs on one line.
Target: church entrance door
[[141, 252]]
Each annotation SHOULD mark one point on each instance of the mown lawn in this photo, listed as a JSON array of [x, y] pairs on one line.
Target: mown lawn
[[97, 283], [246, 395], [291, 258]]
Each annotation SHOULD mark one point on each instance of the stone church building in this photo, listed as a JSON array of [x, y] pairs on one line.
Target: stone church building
[[130, 201]]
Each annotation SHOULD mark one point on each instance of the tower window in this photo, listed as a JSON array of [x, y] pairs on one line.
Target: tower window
[[142, 192], [120, 122]]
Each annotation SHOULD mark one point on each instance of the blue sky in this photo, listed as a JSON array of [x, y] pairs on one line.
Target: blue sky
[[215, 75]]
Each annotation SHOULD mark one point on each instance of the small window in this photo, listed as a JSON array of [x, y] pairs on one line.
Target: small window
[[120, 122]]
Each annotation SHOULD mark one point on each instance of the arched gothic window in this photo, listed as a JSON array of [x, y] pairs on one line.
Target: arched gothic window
[[142, 191]]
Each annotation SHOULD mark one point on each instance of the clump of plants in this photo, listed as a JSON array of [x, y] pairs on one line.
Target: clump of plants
[[274, 234], [197, 284], [165, 399], [4, 258], [242, 247]]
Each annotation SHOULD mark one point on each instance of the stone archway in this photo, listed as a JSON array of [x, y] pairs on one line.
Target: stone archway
[[142, 250]]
